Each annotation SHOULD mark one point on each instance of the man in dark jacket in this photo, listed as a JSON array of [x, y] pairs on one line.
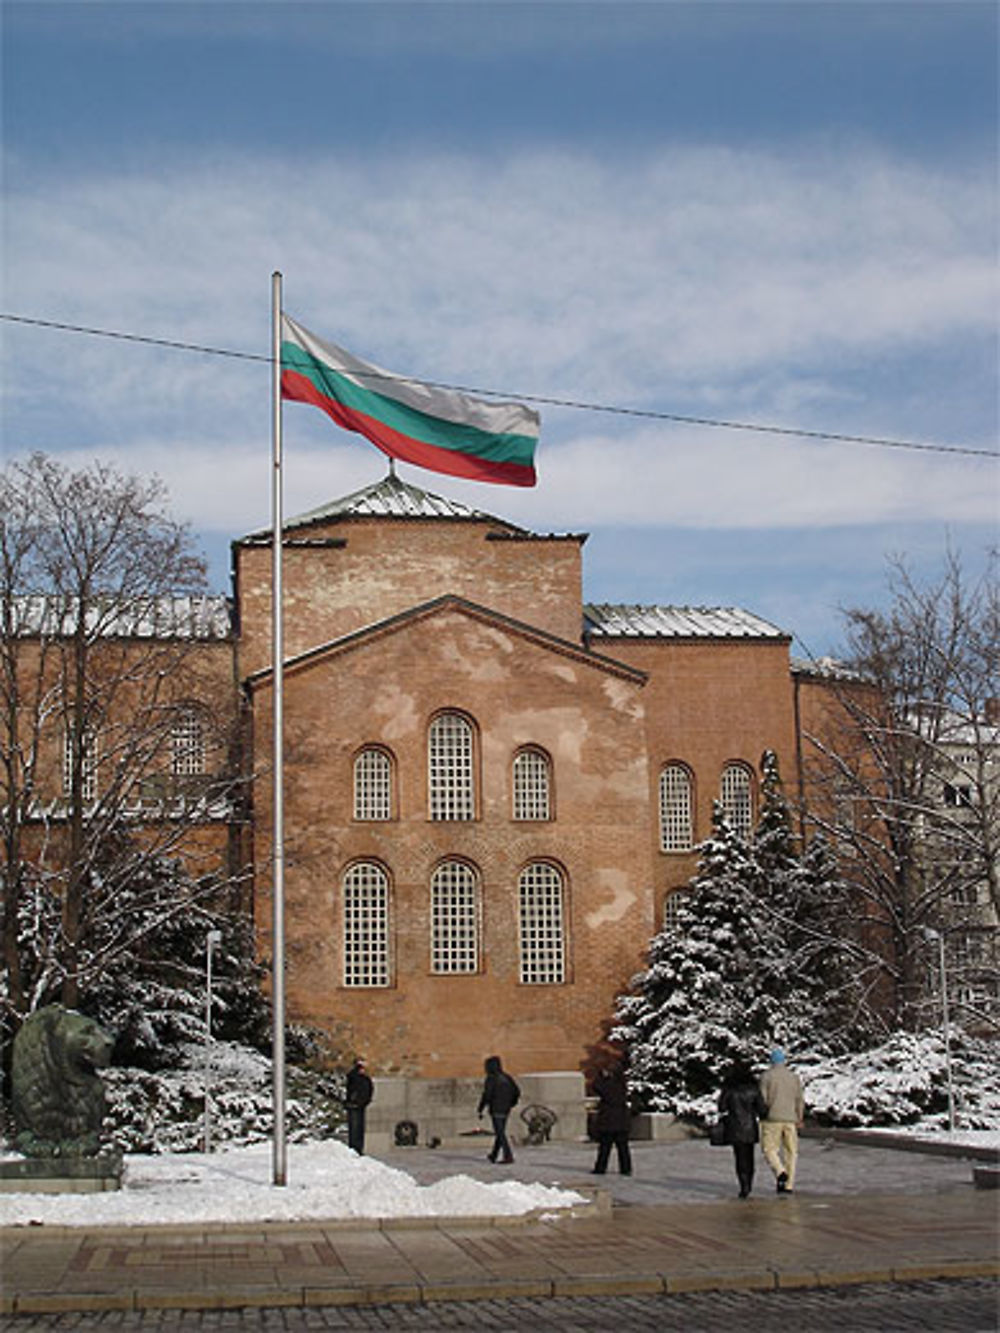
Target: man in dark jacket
[[612, 1120], [358, 1093], [500, 1095], [740, 1107]]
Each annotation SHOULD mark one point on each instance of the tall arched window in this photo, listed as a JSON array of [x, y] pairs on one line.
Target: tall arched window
[[676, 833], [671, 908], [541, 926], [450, 763], [87, 760], [532, 785], [372, 784], [366, 925], [454, 919], [737, 798]]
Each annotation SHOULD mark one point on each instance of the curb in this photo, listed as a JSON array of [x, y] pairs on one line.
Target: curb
[[608, 1284]]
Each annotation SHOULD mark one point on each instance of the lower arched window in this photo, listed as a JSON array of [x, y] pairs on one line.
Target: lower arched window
[[366, 925], [542, 928], [454, 919]]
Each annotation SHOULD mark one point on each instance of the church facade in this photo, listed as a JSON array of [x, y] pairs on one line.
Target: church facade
[[492, 787]]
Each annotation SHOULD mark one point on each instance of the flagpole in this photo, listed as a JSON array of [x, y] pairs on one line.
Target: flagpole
[[279, 1152]]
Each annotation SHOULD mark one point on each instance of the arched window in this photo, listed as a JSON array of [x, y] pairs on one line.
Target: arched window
[[450, 759], [676, 833], [372, 784], [87, 761], [366, 925], [542, 931], [187, 743], [737, 799], [454, 919], [532, 785], [671, 905]]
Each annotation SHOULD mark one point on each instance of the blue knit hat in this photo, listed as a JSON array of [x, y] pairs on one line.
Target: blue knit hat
[[777, 1056]]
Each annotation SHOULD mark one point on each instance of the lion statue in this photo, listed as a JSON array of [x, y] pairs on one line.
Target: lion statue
[[57, 1098]]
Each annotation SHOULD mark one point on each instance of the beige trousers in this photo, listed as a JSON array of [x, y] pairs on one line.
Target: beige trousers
[[779, 1142]]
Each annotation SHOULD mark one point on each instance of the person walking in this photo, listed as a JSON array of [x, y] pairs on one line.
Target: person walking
[[612, 1120], [359, 1091], [781, 1089], [740, 1108], [500, 1095]]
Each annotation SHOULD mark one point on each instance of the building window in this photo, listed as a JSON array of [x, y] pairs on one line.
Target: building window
[[672, 904], [676, 834], [366, 926], [372, 785], [88, 765], [542, 934], [737, 802], [450, 768], [454, 919], [532, 785], [187, 744]]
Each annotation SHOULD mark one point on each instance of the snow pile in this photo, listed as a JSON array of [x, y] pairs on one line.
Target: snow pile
[[325, 1181], [905, 1082]]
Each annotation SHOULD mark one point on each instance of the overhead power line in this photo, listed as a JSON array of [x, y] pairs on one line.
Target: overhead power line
[[577, 405]]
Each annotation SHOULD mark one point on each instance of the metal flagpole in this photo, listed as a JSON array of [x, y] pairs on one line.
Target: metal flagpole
[[279, 1153]]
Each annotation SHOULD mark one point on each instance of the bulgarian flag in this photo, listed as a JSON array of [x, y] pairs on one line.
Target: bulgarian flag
[[440, 429]]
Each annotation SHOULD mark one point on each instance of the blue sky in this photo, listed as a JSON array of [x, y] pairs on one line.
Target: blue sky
[[772, 213]]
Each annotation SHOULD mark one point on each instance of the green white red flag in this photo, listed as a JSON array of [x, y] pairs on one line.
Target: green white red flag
[[432, 427]]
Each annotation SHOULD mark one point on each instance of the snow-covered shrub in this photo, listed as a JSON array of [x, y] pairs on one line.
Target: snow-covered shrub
[[904, 1081]]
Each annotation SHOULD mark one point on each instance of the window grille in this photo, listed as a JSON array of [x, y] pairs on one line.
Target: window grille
[[450, 761], [671, 909], [88, 760], [542, 936], [675, 809], [736, 799], [531, 785], [187, 744], [372, 785], [366, 926], [454, 919]]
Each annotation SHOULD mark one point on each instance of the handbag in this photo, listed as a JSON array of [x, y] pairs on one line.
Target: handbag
[[717, 1133]]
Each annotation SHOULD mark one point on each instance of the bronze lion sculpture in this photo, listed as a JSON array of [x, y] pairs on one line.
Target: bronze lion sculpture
[[57, 1098]]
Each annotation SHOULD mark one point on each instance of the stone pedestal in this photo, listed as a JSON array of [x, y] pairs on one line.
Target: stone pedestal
[[61, 1175]]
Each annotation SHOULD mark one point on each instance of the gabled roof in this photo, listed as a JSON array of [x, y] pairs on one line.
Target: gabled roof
[[625, 621], [388, 498], [111, 617], [449, 601]]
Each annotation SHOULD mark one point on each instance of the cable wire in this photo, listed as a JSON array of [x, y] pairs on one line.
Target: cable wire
[[649, 414]]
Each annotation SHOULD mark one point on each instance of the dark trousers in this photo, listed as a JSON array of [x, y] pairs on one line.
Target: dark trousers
[[356, 1128], [743, 1155], [500, 1144], [605, 1138]]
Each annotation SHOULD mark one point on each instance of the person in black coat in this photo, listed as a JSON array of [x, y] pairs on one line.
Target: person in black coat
[[612, 1120], [741, 1107], [500, 1095], [358, 1093]]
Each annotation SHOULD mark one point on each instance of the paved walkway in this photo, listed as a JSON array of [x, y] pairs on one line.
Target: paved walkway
[[860, 1215]]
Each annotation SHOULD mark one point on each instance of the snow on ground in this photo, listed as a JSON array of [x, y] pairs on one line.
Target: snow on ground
[[325, 1180], [963, 1138]]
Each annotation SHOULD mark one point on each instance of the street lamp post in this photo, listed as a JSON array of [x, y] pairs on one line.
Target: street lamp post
[[213, 938], [937, 936]]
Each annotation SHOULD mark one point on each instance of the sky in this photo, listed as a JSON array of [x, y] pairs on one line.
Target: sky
[[777, 214]]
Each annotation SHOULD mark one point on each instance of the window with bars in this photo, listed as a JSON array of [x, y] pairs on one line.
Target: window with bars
[[542, 932], [454, 919], [366, 925], [450, 760], [88, 763], [737, 800], [372, 785], [676, 833], [532, 785], [187, 744], [671, 909]]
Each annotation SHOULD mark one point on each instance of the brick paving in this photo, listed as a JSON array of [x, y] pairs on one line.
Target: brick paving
[[675, 1230]]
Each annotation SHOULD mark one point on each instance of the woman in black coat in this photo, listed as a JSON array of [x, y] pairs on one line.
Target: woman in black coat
[[500, 1095], [612, 1120], [740, 1108]]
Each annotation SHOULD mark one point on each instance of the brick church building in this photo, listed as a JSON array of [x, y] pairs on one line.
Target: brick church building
[[492, 787]]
